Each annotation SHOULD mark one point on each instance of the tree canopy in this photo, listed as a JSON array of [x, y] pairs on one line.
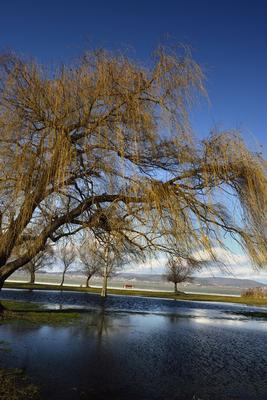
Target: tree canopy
[[106, 144]]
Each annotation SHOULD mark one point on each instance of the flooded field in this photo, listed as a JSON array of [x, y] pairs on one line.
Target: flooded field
[[140, 348]]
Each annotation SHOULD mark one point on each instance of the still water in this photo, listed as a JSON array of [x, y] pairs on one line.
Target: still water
[[139, 348]]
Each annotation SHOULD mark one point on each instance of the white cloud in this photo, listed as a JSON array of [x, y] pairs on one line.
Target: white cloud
[[236, 266], [152, 266]]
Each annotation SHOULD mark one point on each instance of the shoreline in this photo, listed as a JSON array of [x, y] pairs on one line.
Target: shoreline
[[75, 285], [140, 292]]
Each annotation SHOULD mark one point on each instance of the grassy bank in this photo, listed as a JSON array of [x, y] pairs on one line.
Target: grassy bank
[[35, 313], [253, 314], [14, 385], [144, 293]]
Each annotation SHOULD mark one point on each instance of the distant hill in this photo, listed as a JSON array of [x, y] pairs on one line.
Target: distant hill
[[234, 282], [157, 278], [209, 281]]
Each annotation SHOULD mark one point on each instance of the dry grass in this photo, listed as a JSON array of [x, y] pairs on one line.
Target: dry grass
[[256, 293]]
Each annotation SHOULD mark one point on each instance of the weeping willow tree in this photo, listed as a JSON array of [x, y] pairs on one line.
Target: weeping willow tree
[[105, 144]]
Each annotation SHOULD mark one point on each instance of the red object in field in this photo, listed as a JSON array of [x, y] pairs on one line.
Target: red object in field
[[126, 286]]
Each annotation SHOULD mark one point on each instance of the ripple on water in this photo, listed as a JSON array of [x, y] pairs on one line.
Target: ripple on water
[[141, 356]]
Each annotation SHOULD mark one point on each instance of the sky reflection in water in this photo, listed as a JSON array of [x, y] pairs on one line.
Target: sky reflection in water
[[158, 350]]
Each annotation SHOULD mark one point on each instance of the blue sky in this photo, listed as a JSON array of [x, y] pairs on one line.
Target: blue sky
[[228, 39]]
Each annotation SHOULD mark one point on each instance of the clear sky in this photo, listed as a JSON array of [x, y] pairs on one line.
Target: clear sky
[[228, 39]]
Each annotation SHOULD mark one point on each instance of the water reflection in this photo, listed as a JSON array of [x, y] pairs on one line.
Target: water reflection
[[99, 322], [141, 356], [62, 300]]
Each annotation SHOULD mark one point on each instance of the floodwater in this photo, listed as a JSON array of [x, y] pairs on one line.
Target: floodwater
[[139, 348]]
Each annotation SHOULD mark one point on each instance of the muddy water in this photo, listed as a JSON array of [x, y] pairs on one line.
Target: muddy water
[[134, 348]]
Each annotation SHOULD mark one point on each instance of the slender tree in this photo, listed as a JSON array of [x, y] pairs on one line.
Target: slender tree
[[109, 136], [44, 259], [112, 262], [67, 257], [89, 261]]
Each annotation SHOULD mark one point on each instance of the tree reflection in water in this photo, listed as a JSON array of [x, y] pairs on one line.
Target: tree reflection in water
[[99, 322]]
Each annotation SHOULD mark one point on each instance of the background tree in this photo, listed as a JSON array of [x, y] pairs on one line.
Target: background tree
[[67, 256], [44, 259], [109, 136], [110, 262], [179, 270], [89, 261]]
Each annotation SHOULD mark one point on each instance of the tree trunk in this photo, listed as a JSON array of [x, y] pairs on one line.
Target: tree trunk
[[87, 281], [5, 272], [105, 275], [105, 283], [63, 278], [175, 288], [2, 308], [32, 280], [2, 281]]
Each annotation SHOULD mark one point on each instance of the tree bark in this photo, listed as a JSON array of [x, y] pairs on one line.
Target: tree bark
[[32, 280], [105, 283], [63, 279], [105, 275], [2, 308], [39, 244], [175, 288], [2, 281], [87, 281]]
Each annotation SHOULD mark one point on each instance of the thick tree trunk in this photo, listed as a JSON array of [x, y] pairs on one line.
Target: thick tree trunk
[[2, 281], [32, 280], [105, 283], [2, 308], [175, 288]]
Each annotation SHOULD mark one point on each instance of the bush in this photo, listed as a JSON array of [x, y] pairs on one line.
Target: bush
[[257, 292]]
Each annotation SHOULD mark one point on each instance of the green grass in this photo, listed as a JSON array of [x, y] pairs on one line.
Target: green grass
[[14, 385], [253, 314], [34, 313], [144, 293], [17, 305]]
